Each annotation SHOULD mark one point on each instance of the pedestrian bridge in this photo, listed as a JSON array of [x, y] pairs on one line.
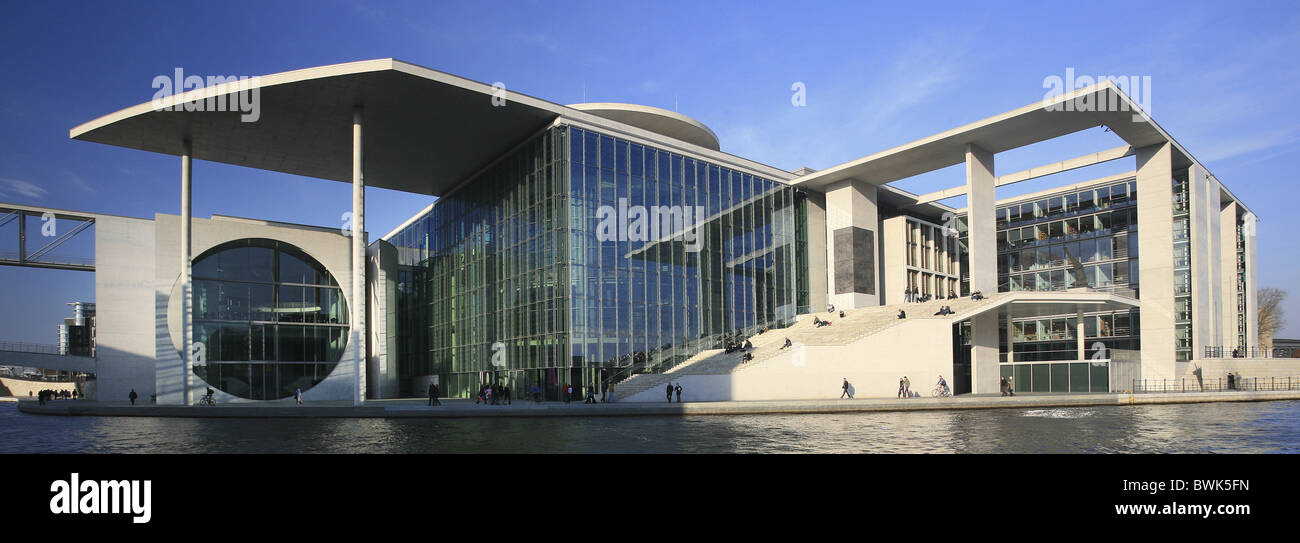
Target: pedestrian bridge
[[36, 355]]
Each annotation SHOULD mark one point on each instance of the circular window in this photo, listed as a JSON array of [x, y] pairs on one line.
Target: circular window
[[270, 317]]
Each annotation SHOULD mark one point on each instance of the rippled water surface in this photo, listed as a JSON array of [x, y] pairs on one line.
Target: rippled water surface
[[1270, 427]]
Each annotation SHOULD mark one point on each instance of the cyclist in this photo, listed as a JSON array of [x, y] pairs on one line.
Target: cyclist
[[943, 386], [207, 398]]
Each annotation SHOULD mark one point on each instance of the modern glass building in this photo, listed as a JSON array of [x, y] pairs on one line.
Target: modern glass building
[[523, 284], [592, 244]]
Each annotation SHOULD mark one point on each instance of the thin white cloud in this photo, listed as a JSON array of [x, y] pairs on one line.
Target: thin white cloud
[[10, 188], [1253, 143], [80, 183]]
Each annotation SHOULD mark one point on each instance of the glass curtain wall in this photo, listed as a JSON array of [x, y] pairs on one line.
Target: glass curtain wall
[[539, 273], [483, 274], [646, 299]]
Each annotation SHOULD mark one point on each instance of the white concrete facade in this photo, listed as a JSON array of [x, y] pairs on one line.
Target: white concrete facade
[[852, 238], [125, 306], [328, 246]]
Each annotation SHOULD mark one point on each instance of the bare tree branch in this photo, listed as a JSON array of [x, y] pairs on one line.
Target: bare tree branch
[[1271, 315]]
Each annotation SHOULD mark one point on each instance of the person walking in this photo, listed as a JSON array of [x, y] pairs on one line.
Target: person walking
[[297, 395], [670, 393], [907, 387], [678, 389], [610, 394], [433, 394], [1199, 380], [591, 395], [505, 393], [900, 388], [133, 396], [1011, 385], [845, 388], [1003, 385], [568, 393]]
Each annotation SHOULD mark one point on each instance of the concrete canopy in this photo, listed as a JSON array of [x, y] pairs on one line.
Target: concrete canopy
[[1017, 128], [425, 131]]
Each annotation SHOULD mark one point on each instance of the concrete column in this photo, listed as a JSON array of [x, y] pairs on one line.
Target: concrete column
[[894, 264], [1156, 265], [1207, 307], [358, 328], [818, 291], [187, 326], [1227, 264], [980, 214], [1081, 341], [852, 222], [982, 242]]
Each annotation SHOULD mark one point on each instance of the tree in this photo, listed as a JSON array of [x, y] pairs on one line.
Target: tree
[[1271, 316]]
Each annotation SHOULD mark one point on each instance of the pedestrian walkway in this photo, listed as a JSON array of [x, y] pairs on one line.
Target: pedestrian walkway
[[415, 407]]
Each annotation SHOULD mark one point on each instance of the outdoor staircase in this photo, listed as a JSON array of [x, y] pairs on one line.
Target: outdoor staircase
[[856, 324]]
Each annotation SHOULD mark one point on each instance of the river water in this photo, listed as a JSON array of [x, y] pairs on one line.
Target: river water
[[1265, 427]]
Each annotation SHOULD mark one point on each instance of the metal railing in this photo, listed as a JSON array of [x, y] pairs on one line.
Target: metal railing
[[1218, 384], [1221, 351], [10, 256], [21, 347]]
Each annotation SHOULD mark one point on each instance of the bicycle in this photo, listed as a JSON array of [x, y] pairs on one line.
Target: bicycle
[[941, 392], [206, 401]]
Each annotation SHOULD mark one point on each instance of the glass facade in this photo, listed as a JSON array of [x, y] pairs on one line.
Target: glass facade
[[1074, 239], [932, 259], [1078, 238], [1182, 268], [1242, 315], [566, 263], [483, 274], [270, 317]]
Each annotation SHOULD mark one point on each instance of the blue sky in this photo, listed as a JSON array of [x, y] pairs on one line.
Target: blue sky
[[1224, 84]]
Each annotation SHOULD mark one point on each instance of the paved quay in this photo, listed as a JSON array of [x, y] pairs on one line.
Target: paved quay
[[416, 408]]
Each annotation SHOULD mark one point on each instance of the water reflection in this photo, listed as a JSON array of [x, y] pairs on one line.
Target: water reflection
[[1197, 428]]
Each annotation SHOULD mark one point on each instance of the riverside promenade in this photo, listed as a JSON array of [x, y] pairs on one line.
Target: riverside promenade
[[417, 408]]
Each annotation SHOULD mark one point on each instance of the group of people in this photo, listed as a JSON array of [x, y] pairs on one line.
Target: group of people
[[914, 296], [674, 388], [904, 387], [1008, 385], [733, 346], [492, 394], [499, 393], [977, 295], [820, 323], [47, 395], [944, 311], [1234, 380]]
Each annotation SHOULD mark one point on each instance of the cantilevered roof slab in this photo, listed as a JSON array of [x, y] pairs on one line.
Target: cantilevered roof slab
[[1017, 128], [657, 120], [424, 131]]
